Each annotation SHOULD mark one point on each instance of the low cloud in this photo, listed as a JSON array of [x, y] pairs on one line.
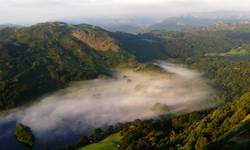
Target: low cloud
[[96, 103]]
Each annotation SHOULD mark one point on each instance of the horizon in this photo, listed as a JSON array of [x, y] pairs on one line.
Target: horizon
[[137, 21], [28, 12]]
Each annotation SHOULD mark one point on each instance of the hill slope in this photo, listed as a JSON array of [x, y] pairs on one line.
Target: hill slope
[[44, 57], [199, 41]]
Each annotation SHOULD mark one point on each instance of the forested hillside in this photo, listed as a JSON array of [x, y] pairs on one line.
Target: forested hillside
[[218, 128], [210, 129], [45, 57], [199, 41], [193, 42]]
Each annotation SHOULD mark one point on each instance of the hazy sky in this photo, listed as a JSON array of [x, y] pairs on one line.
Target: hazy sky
[[32, 11]]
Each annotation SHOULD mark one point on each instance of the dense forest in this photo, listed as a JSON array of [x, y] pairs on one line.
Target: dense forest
[[45, 57]]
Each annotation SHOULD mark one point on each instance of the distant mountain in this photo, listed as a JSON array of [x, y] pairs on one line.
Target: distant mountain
[[173, 23], [201, 19], [128, 24], [2, 26], [179, 23], [201, 40], [124, 28], [222, 15]]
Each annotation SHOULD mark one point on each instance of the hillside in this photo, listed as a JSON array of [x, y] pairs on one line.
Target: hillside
[[191, 42], [143, 48], [211, 129], [199, 41], [45, 57]]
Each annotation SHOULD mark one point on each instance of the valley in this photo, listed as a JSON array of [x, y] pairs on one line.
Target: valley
[[76, 85], [126, 96]]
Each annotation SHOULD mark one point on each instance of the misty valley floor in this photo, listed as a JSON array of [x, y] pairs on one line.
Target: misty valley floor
[[128, 95]]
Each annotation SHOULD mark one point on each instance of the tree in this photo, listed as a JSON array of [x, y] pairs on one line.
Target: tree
[[83, 141], [24, 135]]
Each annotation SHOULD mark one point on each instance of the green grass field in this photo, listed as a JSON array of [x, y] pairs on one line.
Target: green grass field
[[109, 143]]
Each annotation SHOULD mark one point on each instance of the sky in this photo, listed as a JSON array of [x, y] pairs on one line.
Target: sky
[[33, 11]]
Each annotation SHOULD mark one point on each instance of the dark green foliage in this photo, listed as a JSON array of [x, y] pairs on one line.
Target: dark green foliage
[[195, 42], [224, 141], [199, 41], [84, 140], [99, 134], [157, 134], [190, 131], [24, 135], [96, 135], [45, 57], [217, 123], [144, 49], [146, 134], [230, 77], [198, 129]]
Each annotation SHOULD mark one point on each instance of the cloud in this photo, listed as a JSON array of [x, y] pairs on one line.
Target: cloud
[[96, 103]]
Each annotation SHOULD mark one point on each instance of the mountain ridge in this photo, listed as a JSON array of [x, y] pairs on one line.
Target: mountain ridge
[[47, 56]]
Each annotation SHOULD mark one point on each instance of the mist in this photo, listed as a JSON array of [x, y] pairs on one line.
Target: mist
[[127, 96]]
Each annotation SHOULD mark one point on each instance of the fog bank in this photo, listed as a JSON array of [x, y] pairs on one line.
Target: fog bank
[[96, 103]]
